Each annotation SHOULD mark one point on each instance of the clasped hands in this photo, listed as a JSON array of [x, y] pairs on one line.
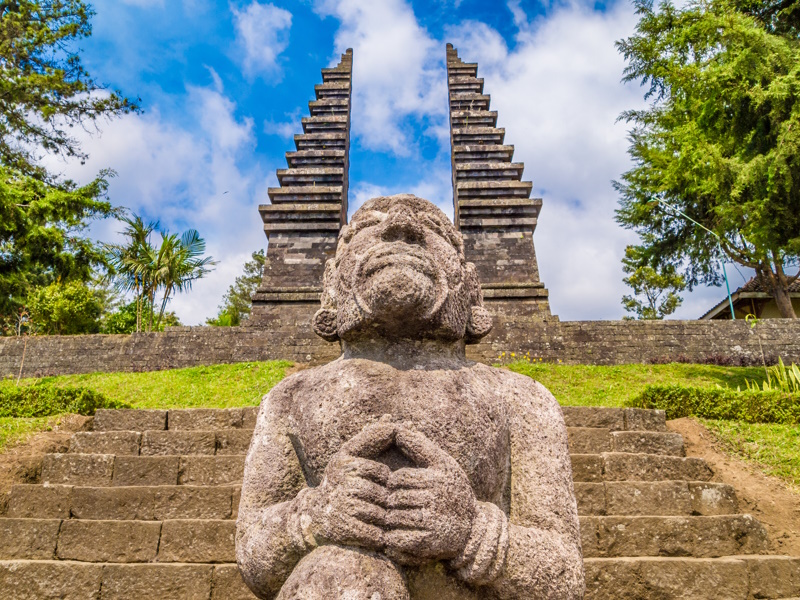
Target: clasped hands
[[411, 515]]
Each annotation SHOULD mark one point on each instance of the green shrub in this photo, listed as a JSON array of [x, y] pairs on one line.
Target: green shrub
[[749, 406], [46, 400]]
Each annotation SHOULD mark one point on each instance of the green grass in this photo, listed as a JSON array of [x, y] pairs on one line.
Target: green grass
[[775, 449], [587, 385], [14, 429]]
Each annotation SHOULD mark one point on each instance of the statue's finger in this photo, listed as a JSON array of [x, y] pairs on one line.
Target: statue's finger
[[406, 498], [366, 512], [406, 541], [368, 491], [414, 479], [371, 441], [412, 518], [367, 469], [422, 451], [359, 533]]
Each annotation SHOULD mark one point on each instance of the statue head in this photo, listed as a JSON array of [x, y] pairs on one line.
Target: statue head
[[400, 273]]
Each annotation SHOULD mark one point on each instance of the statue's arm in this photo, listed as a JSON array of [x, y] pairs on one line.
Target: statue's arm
[[270, 539], [535, 552]]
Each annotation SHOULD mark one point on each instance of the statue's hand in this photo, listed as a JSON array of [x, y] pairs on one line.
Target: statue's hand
[[431, 508], [348, 507]]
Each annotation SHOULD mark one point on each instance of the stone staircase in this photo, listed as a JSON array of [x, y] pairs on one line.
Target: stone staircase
[[144, 506]]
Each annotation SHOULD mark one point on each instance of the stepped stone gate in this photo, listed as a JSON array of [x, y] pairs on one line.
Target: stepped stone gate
[[492, 208]]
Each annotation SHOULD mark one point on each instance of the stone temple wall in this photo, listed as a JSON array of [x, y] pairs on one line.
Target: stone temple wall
[[572, 342]]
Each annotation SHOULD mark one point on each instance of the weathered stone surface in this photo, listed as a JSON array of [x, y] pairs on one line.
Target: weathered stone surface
[[232, 441], [129, 419], [649, 442], [122, 503], [165, 582], [639, 419], [589, 416], [648, 498], [702, 537], [205, 419], [619, 466], [591, 498], [105, 442], [39, 502], [774, 576], [108, 541], [384, 472], [211, 470], [29, 539], [197, 541], [189, 502], [51, 579], [78, 469], [146, 470], [249, 415], [713, 498], [228, 584], [168, 443], [589, 440], [587, 467]]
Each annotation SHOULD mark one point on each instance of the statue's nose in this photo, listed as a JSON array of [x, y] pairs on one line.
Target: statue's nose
[[401, 226]]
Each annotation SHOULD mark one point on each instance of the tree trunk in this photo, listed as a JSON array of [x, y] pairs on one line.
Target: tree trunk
[[784, 302]]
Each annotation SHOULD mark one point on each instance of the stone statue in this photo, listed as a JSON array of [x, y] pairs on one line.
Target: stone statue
[[402, 470]]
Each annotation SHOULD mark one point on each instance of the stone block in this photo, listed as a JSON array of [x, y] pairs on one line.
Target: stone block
[[589, 440], [146, 470], [106, 442], [621, 466], [236, 497], [228, 584], [164, 582], [713, 498], [39, 502], [590, 416], [648, 442], [643, 419], [234, 441], [190, 502], [129, 420], [249, 416], [163, 443], [695, 579], [591, 498], [613, 579], [108, 541], [211, 470], [198, 541], [205, 419], [774, 576], [587, 467], [50, 579], [656, 498], [114, 503], [28, 539], [78, 469]]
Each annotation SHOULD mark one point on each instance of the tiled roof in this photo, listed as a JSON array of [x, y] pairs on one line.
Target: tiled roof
[[759, 285]]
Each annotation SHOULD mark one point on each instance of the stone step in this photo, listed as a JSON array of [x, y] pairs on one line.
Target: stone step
[[654, 498], [71, 580], [323, 124], [134, 503], [461, 85], [321, 141], [469, 101], [469, 118], [325, 176], [462, 70], [192, 419], [729, 578], [478, 135], [323, 108], [212, 540], [482, 153], [497, 171], [101, 470], [315, 158], [305, 215], [305, 193], [336, 89], [622, 466], [493, 189], [336, 74], [582, 440]]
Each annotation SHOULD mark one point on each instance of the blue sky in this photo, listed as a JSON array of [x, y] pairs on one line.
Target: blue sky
[[224, 85]]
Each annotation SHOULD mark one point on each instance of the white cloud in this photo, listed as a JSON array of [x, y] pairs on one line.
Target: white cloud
[[397, 70], [262, 33]]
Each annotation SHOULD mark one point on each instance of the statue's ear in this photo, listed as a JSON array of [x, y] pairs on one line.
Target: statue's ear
[[324, 321], [480, 320]]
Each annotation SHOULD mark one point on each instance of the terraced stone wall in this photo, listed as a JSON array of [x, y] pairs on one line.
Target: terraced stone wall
[[572, 342]]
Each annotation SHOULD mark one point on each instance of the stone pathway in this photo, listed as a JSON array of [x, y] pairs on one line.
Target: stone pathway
[[144, 506]]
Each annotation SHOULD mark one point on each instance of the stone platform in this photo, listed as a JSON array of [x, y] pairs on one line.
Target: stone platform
[[144, 506]]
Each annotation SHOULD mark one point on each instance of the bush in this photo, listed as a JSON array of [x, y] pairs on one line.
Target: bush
[[749, 406], [46, 400]]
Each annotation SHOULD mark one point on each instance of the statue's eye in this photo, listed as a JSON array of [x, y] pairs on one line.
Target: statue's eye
[[369, 220], [435, 225]]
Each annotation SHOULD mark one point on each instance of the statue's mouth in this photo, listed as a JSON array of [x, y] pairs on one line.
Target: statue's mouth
[[402, 256]]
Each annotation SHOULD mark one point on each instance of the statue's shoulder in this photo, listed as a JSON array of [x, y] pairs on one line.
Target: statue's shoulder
[[521, 391]]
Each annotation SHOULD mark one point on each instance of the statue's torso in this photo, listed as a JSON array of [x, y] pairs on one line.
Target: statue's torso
[[463, 410]]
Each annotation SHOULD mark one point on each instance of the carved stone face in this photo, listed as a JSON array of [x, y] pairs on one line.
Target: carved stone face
[[400, 271]]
